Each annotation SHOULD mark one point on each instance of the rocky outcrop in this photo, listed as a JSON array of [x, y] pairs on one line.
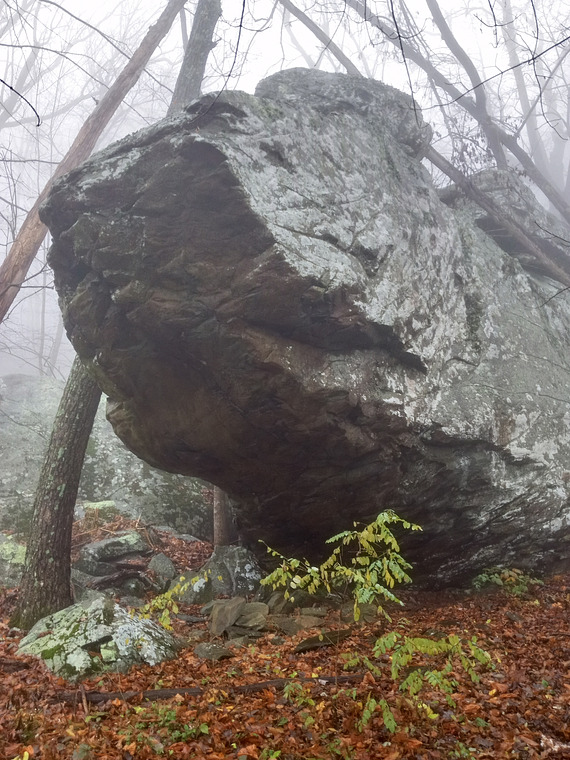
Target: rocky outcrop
[[274, 298]]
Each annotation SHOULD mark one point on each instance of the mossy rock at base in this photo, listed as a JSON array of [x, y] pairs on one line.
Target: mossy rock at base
[[12, 556], [96, 636]]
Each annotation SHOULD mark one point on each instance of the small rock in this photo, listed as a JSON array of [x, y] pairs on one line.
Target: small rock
[[91, 566], [235, 631], [126, 542], [254, 615], [240, 642], [293, 624], [134, 587], [209, 651], [230, 571], [316, 611], [368, 612], [224, 613], [190, 618], [163, 567], [193, 637]]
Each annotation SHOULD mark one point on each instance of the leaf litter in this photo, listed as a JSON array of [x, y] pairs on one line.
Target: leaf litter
[[269, 701]]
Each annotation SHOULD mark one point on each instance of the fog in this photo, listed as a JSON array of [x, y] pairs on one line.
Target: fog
[[61, 57]]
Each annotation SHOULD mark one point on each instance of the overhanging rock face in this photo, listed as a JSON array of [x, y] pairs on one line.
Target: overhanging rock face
[[274, 298]]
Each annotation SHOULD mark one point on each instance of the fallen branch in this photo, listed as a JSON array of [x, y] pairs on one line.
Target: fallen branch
[[151, 695]]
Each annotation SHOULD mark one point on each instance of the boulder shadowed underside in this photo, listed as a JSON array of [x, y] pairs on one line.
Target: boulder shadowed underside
[[274, 298]]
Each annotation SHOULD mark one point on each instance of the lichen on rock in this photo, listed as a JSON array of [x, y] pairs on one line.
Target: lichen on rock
[[96, 636], [274, 298]]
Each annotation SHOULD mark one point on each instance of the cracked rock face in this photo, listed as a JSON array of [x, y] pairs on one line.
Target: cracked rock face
[[274, 299]]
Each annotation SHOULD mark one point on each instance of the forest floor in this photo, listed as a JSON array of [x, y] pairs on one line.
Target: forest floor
[[269, 701]]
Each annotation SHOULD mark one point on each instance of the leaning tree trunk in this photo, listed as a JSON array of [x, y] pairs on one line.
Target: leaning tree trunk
[[32, 233], [46, 585]]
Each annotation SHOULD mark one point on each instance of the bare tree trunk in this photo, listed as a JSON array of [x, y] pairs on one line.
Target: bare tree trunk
[[507, 141], [200, 44], [322, 37], [46, 585], [26, 245], [527, 243], [224, 531]]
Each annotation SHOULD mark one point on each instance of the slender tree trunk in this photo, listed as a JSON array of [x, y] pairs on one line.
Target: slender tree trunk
[[46, 585], [224, 531], [508, 141], [26, 245], [503, 220], [200, 43], [322, 37]]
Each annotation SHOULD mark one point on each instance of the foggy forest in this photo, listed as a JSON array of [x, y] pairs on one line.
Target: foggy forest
[[284, 387]]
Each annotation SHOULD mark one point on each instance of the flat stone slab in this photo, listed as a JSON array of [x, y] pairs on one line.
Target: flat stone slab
[[119, 545], [210, 651], [224, 613]]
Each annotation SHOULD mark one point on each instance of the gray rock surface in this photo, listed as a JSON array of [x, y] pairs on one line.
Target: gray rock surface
[[210, 651], [224, 613], [119, 545], [274, 298], [95, 636], [163, 567], [12, 557], [230, 571]]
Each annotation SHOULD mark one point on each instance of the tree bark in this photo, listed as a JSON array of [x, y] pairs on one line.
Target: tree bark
[[200, 44], [46, 584], [224, 531], [26, 245]]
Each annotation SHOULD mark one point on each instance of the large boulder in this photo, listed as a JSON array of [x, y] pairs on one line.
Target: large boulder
[[274, 298]]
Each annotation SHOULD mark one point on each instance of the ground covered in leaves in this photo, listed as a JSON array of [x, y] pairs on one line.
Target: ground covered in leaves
[[269, 701]]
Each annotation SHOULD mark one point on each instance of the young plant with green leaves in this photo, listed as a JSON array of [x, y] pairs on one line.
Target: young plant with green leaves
[[512, 580], [451, 651], [164, 605], [373, 568]]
